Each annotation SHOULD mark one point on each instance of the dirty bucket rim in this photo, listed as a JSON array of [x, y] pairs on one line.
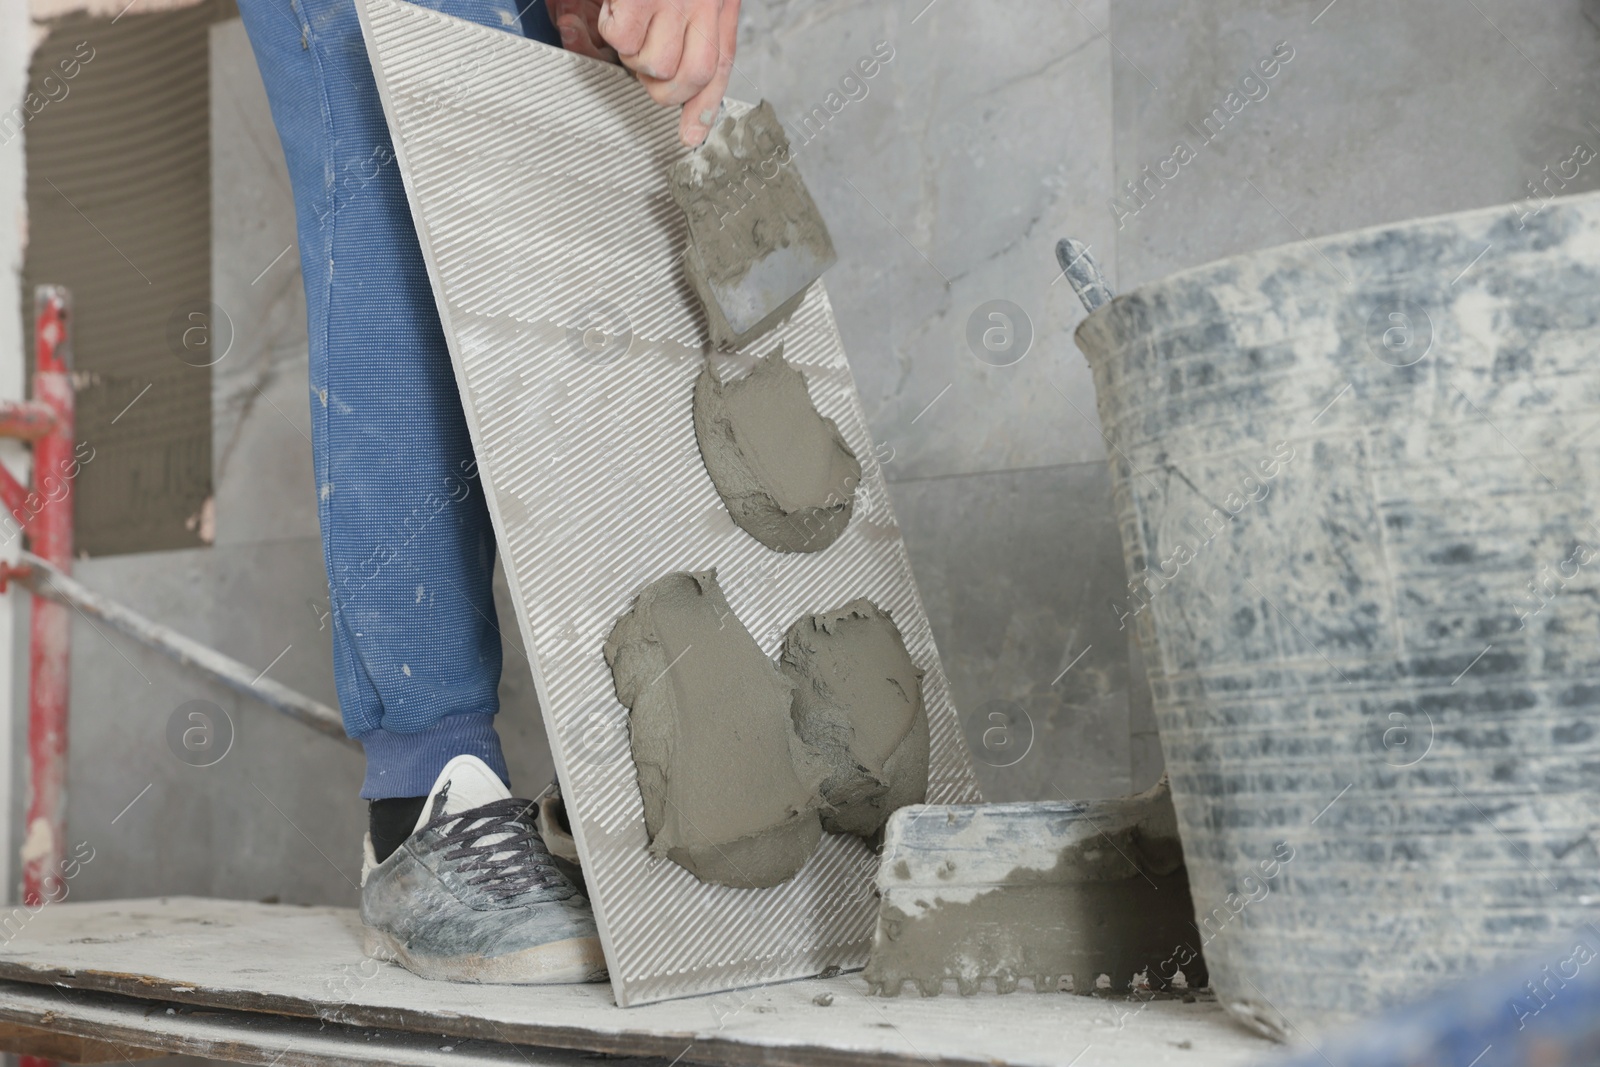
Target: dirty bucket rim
[[1319, 246]]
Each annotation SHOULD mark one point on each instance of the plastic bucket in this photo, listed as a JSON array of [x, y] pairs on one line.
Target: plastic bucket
[[1355, 480]]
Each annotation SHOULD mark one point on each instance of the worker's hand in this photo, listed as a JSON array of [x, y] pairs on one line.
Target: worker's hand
[[578, 22], [682, 51]]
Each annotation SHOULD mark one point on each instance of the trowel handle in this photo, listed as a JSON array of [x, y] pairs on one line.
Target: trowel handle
[[1083, 272]]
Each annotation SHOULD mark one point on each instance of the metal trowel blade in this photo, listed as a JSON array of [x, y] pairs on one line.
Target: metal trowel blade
[[1059, 892]]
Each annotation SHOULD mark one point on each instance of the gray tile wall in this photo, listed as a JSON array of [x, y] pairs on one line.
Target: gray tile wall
[[1387, 111]]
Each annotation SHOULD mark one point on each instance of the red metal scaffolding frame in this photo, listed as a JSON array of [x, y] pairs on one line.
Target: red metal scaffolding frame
[[44, 515]]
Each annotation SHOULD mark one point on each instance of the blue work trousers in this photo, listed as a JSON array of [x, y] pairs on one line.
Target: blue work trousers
[[405, 530]]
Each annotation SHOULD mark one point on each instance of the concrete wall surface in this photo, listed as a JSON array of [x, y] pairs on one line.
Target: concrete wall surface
[[1386, 112], [947, 177]]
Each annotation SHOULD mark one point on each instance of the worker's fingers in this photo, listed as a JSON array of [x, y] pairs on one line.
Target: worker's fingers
[[680, 88], [624, 23], [658, 57], [682, 51], [701, 110], [698, 65]]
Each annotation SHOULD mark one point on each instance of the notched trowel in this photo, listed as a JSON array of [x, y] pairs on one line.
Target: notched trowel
[[756, 238], [1057, 892]]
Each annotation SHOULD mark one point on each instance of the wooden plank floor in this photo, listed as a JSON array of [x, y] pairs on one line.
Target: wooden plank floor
[[244, 961]]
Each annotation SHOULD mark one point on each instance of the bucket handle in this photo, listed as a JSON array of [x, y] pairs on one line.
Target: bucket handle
[[1083, 273]]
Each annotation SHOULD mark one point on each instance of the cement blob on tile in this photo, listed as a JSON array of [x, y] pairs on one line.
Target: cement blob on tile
[[782, 469], [858, 707], [725, 781]]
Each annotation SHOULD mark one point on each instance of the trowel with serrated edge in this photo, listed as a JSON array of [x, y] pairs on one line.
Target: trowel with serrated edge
[[1072, 896], [756, 238]]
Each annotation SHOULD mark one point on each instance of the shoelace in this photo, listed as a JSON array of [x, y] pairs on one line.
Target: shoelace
[[500, 844]]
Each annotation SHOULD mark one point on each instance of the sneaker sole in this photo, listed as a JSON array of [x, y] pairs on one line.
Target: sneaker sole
[[578, 959]]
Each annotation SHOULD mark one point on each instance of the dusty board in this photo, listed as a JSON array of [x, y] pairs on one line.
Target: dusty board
[[537, 181], [241, 956], [82, 1027]]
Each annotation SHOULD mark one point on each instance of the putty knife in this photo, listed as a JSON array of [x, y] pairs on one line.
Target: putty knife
[[1059, 893], [756, 238]]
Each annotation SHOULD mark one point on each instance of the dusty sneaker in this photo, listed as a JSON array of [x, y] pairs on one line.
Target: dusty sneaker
[[473, 895]]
